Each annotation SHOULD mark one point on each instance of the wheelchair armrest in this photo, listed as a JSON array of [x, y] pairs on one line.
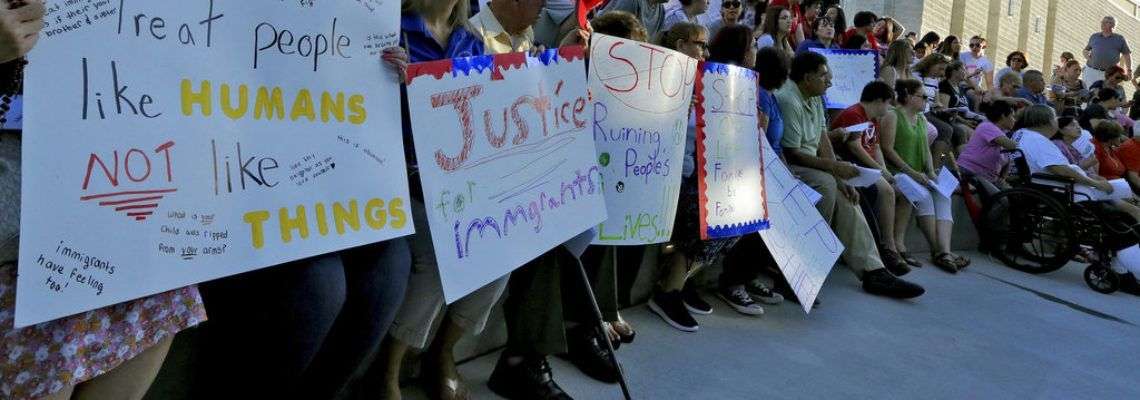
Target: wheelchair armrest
[[1055, 178]]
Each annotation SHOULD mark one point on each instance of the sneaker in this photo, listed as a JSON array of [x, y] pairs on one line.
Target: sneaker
[[670, 307], [737, 297], [762, 293], [529, 379], [880, 282], [693, 301]]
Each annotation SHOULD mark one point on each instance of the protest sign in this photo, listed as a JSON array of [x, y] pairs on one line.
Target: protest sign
[[729, 168], [802, 243], [850, 71], [642, 96], [508, 167], [176, 142]]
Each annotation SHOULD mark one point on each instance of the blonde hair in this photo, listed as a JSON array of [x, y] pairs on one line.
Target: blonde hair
[[899, 53], [679, 31], [459, 13]]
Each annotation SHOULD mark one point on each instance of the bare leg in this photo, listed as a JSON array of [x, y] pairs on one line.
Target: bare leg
[[944, 230], [392, 356], [886, 205], [130, 380], [903, 211], [930, 232], [439, 362]]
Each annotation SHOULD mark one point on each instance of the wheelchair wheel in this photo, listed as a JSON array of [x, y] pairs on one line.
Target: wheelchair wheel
[[1029, 231], [1102, 279]]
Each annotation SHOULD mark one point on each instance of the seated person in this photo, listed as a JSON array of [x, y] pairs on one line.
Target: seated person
[[904, 148], [1033, 88], [862, 148], [1042, 156], [809, 155], [1107, 138], [981, 161], [1068, 133]]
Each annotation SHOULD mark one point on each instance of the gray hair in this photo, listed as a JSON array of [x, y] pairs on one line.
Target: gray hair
[[1036, 116], [1031, 75]]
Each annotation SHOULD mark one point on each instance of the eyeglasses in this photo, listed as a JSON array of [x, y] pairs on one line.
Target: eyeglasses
[[730, 4], [704, 45], [973, 45]]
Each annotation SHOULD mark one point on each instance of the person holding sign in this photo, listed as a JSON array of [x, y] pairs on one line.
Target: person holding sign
[[111, 352], [500, 27], [808, 151], [673, 299], [908, 156]]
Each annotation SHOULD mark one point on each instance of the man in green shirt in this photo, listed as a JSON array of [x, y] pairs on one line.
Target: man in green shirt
[[807, 149]]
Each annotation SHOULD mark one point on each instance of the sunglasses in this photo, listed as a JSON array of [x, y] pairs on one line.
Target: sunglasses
[[730, 4]]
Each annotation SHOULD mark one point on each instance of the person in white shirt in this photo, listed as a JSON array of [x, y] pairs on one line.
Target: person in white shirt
[[1041, 155], [978, 67], [689, 11]]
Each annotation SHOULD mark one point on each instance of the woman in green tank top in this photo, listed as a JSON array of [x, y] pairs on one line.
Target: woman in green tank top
[[907, 152]]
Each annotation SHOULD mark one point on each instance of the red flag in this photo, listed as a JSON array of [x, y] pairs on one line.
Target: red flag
[[584, 7]]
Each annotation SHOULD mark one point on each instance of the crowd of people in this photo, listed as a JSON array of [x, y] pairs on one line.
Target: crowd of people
[[344, 322]]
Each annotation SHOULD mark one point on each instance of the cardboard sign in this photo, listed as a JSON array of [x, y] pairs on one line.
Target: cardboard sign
[[851, 70], [729, 167], [507, 164], [642, 96], [802, 243], [174, 142]]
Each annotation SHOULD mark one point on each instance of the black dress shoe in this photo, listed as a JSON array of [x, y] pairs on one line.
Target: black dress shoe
[[881, 282], [1129, 285], [530, 379], [588, 354]]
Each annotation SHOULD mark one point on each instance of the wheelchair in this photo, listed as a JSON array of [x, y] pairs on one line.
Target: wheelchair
[[1039, 225]]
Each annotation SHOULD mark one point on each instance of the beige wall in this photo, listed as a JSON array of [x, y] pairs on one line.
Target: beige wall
[[1075, 21]]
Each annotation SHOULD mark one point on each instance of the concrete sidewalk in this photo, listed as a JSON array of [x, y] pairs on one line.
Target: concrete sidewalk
[[989, 332]]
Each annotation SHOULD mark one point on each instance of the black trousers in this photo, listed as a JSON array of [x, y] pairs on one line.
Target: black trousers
[[301, 329]]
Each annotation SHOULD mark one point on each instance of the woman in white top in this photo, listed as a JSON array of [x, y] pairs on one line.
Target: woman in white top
[[777, 27]]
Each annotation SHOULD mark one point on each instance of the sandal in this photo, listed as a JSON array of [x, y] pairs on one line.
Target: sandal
[[945, 261], [910, 260], [961, 261]]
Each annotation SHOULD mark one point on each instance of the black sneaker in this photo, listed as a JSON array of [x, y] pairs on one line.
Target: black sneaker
[[529, 379], [738, 298], [762, 293], [881, 282], [588, 354], [670, 307], [693, 301]]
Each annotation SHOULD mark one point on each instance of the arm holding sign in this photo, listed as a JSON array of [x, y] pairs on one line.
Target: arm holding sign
[[20, 29]]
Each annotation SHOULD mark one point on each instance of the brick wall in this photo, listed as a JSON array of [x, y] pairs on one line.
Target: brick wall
[[1076, 20]]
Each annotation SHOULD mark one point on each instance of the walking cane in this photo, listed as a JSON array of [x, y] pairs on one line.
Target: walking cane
[[601, 323]]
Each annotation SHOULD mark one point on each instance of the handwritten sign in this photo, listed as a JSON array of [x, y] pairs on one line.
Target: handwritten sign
[[177, 142], [802, 243], [730, 173], [642, 97], [851, 70], [506, 160]]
